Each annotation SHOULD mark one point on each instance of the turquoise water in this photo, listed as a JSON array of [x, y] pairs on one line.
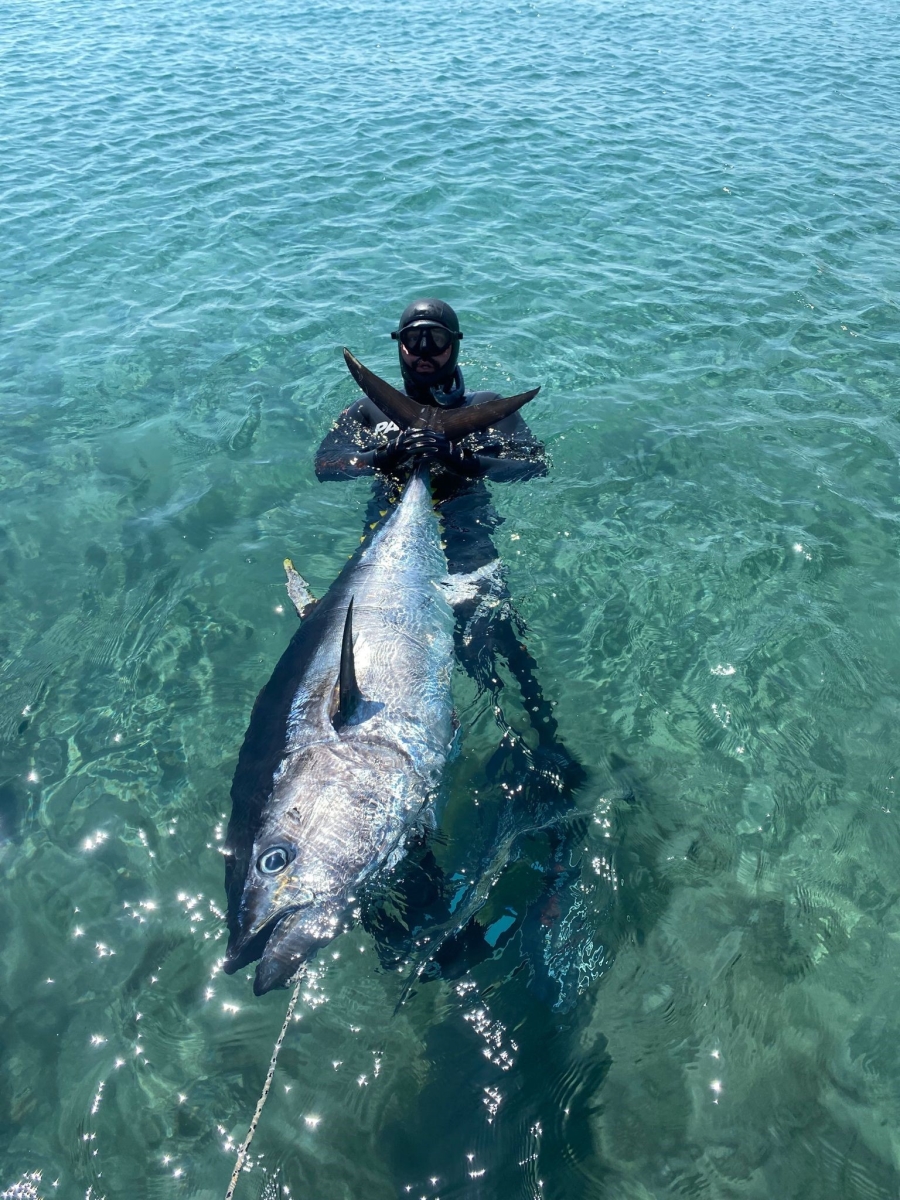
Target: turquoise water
[[682, 221]]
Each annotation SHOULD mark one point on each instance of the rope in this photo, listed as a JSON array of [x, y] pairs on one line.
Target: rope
[[245, 1145]]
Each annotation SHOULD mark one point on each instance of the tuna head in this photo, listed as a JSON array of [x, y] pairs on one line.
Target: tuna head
[[289, 907], [333, 819]]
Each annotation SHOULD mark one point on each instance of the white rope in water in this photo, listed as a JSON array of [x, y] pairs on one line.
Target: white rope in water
[[270, 1074]]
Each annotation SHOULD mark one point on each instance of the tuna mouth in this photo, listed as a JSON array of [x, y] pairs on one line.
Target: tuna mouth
[[283, 944], [244, 950], [292, 942]]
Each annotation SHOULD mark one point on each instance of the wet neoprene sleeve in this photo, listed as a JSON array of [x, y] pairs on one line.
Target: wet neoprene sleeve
[[349, 450]]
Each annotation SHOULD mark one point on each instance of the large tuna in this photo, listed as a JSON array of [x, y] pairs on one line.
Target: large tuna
[[348, 739]]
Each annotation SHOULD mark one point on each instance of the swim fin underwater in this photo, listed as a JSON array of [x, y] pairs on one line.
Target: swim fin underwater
[[526, 892]]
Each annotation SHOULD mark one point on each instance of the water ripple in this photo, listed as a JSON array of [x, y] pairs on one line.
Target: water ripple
[[681, 220]]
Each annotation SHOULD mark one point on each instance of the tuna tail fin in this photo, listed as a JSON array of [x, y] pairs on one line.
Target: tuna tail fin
[[408, 413], [456, 423]]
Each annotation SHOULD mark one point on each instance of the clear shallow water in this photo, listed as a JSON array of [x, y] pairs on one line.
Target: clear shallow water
[[682, 221]]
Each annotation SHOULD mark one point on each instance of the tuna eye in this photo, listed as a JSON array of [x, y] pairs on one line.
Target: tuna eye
[[273, 860]]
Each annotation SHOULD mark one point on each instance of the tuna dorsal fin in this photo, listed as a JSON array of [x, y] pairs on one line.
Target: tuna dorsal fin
[[349, 697], [408, 413]]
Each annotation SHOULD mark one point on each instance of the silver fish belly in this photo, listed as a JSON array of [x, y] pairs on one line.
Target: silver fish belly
[[345, 748]]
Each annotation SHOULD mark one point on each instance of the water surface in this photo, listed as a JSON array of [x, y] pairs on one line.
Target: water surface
[[682, 221]]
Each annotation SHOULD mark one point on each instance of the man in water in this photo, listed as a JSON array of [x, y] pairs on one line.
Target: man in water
[[364, 441]]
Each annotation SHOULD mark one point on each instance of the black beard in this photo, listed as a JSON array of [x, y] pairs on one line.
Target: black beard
[[420, 386]]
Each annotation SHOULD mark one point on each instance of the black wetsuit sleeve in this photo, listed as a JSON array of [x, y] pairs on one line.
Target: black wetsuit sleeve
[[348, 448], [508, 451]]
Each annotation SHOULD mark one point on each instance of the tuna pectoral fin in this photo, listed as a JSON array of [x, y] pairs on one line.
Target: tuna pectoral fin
[[408, 413], [298, 590], [350, 706]]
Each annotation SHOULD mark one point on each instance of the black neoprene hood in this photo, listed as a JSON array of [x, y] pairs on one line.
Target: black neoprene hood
[[428, 312]]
